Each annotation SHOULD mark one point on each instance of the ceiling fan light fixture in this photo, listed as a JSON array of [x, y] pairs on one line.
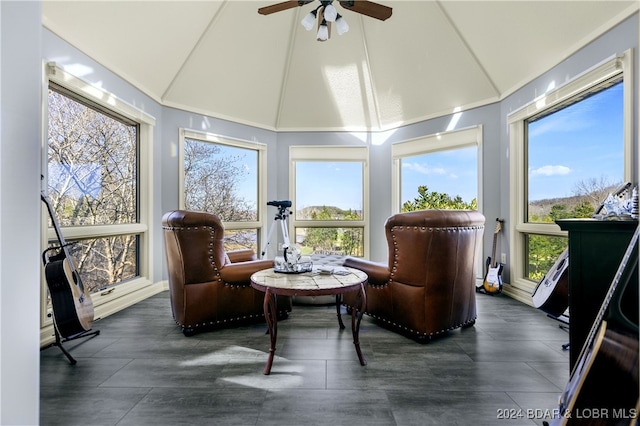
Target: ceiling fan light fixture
[[309, 20], [326, 14], [330, 13], [323, 31], [341, 25]]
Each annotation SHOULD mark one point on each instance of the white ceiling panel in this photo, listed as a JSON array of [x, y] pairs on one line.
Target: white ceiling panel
[[144, 42], [515, 41], [235, 74]]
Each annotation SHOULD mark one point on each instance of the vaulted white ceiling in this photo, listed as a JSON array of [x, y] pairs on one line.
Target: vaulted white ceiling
[[430, 58]]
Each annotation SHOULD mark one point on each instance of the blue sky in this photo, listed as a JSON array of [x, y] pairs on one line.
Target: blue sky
[[581, 142], [330, 183], [453, 172]]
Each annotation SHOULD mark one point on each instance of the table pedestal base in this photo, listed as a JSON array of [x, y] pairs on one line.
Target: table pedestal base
[[271, 316]]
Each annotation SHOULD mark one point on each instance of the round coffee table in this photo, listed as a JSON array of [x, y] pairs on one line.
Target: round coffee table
[[313, 283]]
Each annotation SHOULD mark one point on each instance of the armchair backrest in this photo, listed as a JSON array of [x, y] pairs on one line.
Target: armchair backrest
[[194, 243], [434, 247]]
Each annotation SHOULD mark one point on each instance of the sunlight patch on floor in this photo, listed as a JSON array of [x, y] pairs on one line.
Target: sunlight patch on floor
[[287, 375], [233, 354]]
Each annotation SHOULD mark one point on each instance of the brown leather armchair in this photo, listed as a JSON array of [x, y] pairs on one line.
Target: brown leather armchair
[[428, 285], [209, 286]]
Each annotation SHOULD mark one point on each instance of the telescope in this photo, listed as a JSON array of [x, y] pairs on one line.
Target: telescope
[[280, 204]]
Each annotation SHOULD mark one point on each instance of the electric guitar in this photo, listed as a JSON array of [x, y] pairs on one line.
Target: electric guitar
[[492, 283], [70, 299], [552, 292], [603, 388]]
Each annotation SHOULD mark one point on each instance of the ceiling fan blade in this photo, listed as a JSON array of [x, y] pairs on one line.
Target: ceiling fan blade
[[278, 7], [368, 8]]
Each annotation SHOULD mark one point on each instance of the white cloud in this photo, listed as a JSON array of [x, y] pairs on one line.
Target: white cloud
[[550, 170], [421, 168]]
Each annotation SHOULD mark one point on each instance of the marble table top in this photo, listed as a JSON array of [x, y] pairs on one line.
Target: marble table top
[[342, 279]]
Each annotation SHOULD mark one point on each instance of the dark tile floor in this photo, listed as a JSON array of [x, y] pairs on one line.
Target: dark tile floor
[[506, 370]]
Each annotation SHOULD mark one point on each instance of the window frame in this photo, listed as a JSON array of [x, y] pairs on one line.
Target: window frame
[[117, 297], [442, 141], [331, 153], [521, 286], [260, 148]]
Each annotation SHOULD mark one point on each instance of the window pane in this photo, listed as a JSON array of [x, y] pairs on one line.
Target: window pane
[[92, 165], [221, 179], [542, 252], [575, 156], [329, 190], [336, 241], [235, 239], [442, 179], [104, 262]]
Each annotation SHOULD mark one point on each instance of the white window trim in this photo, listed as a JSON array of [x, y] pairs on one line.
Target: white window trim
[[139, 288], [471, 136], [615, 65], [262, 175], [331, 153]]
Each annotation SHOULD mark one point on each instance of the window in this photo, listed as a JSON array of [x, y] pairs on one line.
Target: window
[[223, 176], [94, 182], [329, 185], [571, 148], [575, 157], [438, 171]]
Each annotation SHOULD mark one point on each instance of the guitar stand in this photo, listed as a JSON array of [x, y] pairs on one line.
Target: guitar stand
[[60, 340], [564, 326]]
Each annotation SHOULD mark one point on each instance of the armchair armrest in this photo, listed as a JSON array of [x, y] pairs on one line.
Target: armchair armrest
[[241, 255], [242, 271], [378, 273]]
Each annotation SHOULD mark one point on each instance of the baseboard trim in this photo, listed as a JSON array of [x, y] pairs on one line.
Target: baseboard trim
[[518, 294]]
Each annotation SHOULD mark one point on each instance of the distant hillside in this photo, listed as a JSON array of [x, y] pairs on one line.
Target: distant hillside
[[542, 208], [337, 213]]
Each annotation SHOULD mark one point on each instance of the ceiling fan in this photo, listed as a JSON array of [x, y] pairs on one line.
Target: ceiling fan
[[327, 14]]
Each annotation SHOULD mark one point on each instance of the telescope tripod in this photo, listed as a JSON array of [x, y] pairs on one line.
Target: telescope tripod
[[291, 262], [282, 215]]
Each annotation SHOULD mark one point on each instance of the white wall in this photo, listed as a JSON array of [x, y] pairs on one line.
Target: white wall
[[20, 136]]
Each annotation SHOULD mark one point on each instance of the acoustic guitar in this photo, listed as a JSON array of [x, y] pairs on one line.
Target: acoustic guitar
[[552, 292], [551, 295], [603, 388], [492, 283], [70, 299]]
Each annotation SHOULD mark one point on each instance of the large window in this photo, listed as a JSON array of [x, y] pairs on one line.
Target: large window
[[571, 148], [574, 158], [329, 188], [439, 171], [94, 183], [223, 176]]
